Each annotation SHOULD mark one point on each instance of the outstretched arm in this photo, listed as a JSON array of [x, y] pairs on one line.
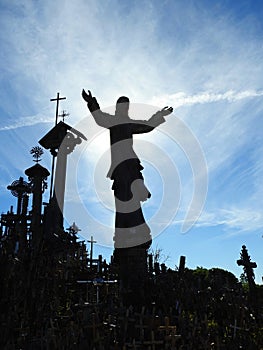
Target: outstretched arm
[[166, 111], [101, 118], [142, 126]]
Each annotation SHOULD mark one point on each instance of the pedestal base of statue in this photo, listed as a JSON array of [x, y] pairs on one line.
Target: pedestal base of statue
[[53, 219], [133, 273]]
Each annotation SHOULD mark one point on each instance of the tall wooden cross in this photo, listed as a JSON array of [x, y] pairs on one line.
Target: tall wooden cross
[[91, 241], [53, 158], [57, 99]]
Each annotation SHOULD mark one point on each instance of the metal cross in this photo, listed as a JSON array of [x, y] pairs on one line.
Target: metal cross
[[63, 115]]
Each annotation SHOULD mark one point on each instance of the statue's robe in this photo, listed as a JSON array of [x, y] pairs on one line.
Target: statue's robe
[[125, 171]]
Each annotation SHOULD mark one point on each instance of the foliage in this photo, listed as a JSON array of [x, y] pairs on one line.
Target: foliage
[[158, 255]]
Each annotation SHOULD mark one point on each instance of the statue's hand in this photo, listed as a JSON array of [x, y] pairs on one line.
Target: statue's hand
[[166, 111], [87, 97]]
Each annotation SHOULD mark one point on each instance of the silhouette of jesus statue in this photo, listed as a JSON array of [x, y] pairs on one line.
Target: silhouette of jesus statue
[[128, 184]]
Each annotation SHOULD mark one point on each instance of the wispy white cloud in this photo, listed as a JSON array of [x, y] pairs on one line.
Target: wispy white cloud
[[27, 121], [235, 220], [180, 99], [176, 100], [232, 221]]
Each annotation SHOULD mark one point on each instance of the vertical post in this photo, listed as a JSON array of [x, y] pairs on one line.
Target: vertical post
[[53, 158], [37, 174], [150, 257], [91, 241], [60, 178], [181, 264]]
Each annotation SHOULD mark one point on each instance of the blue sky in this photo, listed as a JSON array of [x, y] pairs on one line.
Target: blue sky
[[204, 58]]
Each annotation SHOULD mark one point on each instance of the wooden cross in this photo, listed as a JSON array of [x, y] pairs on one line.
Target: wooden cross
[[57, 99], [248, 266], [170, 332], [167, 328], [53, 158], [153, 341], [96, 327], [236, 328], [133, 345], [126, 320], [91, 241], [141, 326]]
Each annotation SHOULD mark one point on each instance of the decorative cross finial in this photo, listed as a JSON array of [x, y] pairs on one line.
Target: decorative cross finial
[[63, 115], [37, 153]]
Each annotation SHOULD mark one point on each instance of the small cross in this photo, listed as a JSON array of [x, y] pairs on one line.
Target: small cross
[[63, 115], [74, 228], [153, 342], [236, 328], [91, 241], [57, 99]]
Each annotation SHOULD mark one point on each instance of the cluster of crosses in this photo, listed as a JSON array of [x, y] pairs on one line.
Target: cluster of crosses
[[56, 295]]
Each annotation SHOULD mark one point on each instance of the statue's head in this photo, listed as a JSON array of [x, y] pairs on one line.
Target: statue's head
[[122, 106]]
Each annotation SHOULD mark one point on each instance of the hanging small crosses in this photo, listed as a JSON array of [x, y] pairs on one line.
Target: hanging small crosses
[[37, 153]]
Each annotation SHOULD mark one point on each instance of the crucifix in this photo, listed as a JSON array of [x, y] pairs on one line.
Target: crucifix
[[91, 241]]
